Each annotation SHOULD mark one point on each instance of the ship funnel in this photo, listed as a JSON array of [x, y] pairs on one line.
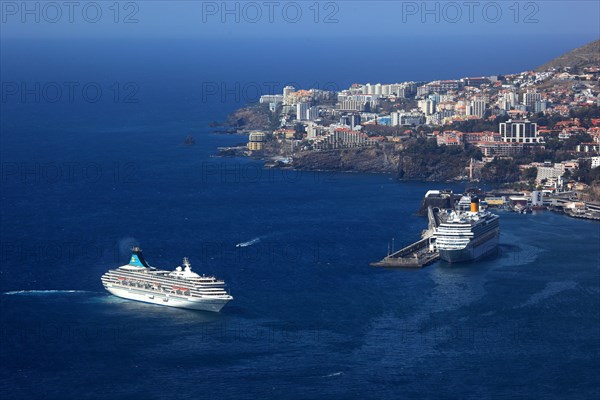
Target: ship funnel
[[475, 204], [137, 258]]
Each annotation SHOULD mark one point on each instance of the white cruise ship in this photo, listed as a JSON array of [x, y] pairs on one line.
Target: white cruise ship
[[467, 235], [179, 288]]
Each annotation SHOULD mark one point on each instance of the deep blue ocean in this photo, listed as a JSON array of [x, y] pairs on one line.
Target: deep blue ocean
[[83, 180]]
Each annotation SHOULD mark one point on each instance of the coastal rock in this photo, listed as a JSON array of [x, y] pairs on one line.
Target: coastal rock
[[389, 158], [365, 159], [431, 167], [252, 117]]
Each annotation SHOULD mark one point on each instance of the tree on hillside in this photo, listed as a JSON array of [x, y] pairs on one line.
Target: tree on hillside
[[572, 142], [501, 170], [586, 174], [530, 174]]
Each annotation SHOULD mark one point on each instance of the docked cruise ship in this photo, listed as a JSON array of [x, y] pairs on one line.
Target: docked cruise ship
[[467, 235], [179, 288]]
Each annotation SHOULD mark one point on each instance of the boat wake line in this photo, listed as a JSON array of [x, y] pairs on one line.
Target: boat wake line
[[248, 243], [43, 292]]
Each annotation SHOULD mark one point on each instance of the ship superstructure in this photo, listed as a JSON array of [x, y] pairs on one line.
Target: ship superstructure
[[181, 287]]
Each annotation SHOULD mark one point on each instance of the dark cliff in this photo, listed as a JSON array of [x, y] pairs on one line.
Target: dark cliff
[[420, 160]]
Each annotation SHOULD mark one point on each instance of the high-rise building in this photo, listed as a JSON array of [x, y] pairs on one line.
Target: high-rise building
[[312, 113], [507, 101], [352, 105], [435, 97], [314, 130], [423, 90], [511, 97], [407, 119], [377, 89], [503, 104], [540, 106], [549, 172], [476, 108], [287, 91], [427, 106], [271, 98], [256, 141], [352, 120], [530, 98], [519, 132], [301, 109]]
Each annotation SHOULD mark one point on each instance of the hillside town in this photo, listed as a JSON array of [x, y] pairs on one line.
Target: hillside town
[[537, 130]]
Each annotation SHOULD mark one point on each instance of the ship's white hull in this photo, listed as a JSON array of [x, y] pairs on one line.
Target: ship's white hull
[[162, 299], [471, 253]]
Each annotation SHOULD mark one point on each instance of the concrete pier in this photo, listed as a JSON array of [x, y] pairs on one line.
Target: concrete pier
[[416, 255]]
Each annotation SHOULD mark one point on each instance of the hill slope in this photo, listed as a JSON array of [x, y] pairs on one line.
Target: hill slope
[[584, 56]]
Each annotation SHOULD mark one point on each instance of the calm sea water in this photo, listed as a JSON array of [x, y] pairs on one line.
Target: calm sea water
[[81, 183]]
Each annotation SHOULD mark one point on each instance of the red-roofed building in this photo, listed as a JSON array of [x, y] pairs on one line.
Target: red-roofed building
[[487, 136], [517, 114], [450, 138], [342, 129], [568, 123]]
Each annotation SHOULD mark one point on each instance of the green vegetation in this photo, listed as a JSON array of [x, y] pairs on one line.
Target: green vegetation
[[530, 174], [424, 159], [254, 116], [585, 56], [430, 147], [572, 142], [501, 170], [585, 114], [544, 120], [477, 125], [519, 186], [586, 174]]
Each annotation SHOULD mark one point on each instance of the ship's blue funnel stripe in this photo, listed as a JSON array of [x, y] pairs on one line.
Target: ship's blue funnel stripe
[[135, 261]]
